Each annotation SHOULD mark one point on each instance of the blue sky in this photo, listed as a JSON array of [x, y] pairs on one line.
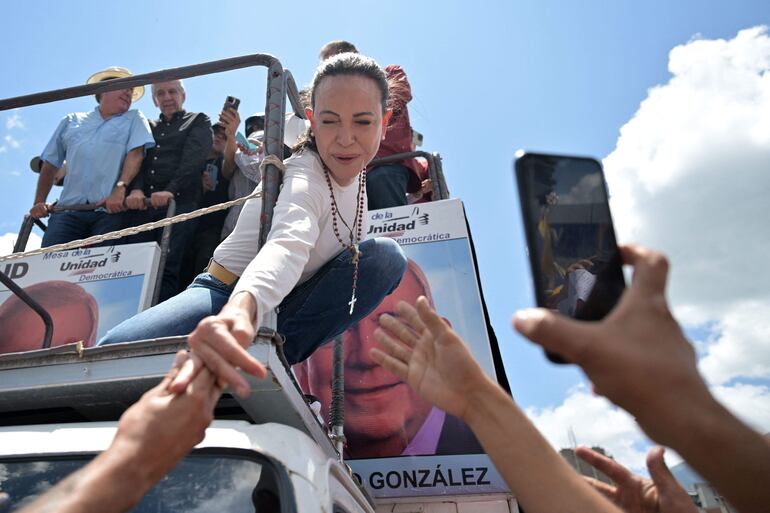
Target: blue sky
[[488, 78]]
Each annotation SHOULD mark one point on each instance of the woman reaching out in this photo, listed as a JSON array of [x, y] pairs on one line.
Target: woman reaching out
[[314, 267]]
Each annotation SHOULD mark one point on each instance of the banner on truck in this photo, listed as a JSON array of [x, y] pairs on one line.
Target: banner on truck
[[86, 291], [397, 443]]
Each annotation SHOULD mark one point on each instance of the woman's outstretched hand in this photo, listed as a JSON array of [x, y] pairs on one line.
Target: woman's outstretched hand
[[219, 343], [424, 351]]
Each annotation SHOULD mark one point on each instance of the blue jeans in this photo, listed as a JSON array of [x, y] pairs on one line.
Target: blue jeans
[[386, 186], [313, 313], [68, 226]]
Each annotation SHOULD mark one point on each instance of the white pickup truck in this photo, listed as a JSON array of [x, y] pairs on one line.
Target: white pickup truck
[[268, 453]]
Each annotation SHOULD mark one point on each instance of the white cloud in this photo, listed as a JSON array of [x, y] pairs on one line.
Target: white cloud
[[13, 143], [9, 239], [13, 121], [689, 173], [689, 176], [595, 422], [3, 149], [751, 403], [741, 347]]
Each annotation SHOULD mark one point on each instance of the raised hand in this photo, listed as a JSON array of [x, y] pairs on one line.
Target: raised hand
[[637, 356], [636, 494], [425, 352]]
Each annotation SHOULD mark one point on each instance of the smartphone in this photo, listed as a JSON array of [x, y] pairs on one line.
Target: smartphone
[[231, 102], [573, 252], [243, 141]]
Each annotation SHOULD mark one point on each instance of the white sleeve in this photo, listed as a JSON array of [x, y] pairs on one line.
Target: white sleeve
[[278, 266], [249, 165]]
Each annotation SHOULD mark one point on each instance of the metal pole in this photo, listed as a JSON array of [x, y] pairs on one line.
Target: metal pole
[[47, 321], [443, 190], [206, 68], [24, 231], [337, 407], [275, 110], [165, 240]]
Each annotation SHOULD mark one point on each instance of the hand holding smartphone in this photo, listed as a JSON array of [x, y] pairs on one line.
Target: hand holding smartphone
[[576, 265], [231, 102]]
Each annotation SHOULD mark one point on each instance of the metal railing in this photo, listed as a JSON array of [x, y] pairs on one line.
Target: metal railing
[[279, 83], [165, 238], [26, 298]]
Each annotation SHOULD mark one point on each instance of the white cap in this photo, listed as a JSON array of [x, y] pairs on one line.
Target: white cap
[[294, 128]]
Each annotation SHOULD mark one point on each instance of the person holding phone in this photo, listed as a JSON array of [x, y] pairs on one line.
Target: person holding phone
[[315, 266], [241, 164], [637, 357]]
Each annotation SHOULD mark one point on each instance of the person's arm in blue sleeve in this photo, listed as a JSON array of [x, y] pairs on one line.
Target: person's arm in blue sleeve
[[52, 157]]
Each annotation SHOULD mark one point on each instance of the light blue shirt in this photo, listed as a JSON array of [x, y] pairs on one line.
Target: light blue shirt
[[94, 149]]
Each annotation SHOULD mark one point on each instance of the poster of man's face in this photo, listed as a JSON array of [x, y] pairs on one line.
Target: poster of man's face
[[85, 291], [383, 416], [74, 313]]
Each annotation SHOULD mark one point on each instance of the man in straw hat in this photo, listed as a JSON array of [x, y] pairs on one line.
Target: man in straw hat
[[104, 149]]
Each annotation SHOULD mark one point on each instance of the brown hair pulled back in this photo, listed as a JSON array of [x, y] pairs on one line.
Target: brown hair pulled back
[[352, 64]]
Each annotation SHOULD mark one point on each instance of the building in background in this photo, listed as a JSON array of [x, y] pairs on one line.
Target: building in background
[[583, 468], [705, 496]]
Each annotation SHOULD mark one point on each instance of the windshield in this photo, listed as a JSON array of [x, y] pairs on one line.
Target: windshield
[[200, 483]]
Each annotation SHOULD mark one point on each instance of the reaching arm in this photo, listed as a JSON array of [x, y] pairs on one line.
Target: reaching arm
[[639, 359], [431, 358], [153, 435]]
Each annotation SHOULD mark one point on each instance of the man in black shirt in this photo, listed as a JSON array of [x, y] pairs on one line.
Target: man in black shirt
[[172, 169], [209, 227]]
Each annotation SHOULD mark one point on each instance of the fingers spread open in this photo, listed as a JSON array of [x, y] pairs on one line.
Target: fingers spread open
[[410, 316], [609, 491], [392, 346], [555, 333], [428, 315], [390, 363], [614, 470], [399, 330], [659, 471]]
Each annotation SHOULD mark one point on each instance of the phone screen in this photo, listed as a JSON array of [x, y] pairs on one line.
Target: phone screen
[[576, 265]]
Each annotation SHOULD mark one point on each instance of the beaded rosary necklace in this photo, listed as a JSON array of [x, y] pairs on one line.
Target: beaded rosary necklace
[[352, 246]]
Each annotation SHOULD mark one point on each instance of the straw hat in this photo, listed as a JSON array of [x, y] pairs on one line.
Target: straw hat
[[116, 72]]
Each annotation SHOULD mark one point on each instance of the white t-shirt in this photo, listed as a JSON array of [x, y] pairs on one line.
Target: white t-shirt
[[301, 240]]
